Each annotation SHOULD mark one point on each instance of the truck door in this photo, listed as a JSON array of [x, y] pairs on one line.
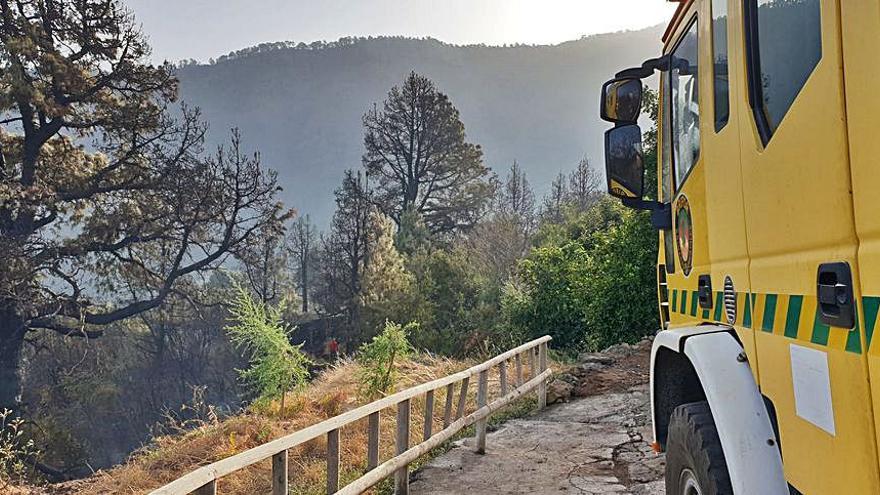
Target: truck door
[[799, 216], [700, 144], [861, 41]]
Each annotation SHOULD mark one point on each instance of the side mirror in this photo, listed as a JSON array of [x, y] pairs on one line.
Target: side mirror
[[621, 100], [624, 166]]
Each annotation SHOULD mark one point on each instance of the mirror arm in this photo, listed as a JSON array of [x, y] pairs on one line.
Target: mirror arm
[[648, 67], [661, 213]]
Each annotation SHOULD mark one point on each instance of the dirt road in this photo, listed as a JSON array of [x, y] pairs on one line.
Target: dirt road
[[591, 445]]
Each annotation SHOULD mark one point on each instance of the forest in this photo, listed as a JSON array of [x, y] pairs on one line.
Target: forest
[[148, 277]]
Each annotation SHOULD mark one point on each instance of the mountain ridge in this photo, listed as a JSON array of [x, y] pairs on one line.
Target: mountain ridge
[[302, 108]]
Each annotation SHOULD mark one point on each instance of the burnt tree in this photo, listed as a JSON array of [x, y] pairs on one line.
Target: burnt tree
[[106, 201], [416, 150]]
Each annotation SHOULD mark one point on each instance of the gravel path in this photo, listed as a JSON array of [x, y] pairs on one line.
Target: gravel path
[[591, 445]]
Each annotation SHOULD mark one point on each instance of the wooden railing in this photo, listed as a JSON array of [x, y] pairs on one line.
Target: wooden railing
[[203, 481]]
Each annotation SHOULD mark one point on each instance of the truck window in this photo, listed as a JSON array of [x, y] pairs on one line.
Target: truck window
[[666, 191], [685, 105], [784, 40], [719, 68], [665, 142]]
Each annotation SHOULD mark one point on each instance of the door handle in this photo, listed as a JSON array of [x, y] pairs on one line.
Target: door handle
[[704, 291], [834, 291]]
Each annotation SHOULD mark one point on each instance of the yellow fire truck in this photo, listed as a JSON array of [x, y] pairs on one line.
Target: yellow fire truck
[[764, 377]]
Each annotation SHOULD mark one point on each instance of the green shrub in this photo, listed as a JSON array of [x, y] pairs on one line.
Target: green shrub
[[589, 288], [378, 358], [553, 295], [276, 366], [15, 450]]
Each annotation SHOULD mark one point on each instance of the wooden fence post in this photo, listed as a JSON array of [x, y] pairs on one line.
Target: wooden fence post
[[332, 461], [447, 412], [502, 377], [542, 366], [519, 369], [279, 473], [373, 442], [208, 489], [462, 399], [429, 415], [482, 392], [532, 369], [401, 476]]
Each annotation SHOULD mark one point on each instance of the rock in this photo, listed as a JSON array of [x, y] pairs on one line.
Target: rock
[[568, 378], [618, 350], [581, 390], [585, 370], [559, 391], [595, 358], [641, 473]]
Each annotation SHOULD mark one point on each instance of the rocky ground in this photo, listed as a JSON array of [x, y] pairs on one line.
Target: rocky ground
[[594, 440]]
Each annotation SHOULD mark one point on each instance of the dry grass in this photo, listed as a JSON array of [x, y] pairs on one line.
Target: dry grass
[[334, 392]]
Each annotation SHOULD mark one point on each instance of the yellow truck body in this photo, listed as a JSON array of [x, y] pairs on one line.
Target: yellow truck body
[[770, 162]]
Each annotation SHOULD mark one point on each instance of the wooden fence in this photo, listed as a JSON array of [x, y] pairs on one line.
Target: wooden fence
[[203, 481]]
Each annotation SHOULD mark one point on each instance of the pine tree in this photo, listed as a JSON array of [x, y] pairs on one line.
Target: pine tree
[[302, 242], [345, 249], [554, 201], [416, 148], [276, 366], [584, 186]]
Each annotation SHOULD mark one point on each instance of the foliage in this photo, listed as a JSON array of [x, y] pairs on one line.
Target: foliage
[[416, 148], [385, 275], [102, 187], [15, 450], [590, 280], [76, 389], [552, 296], [591, 283], [379, 358], [263, 261], [584, 186], [555, 201], [276, 365], [580, 224], [302, 246], [387, 288], [345, 248], [193, 414], [448, 294], [412, 233], [623, 306], [516, 197]]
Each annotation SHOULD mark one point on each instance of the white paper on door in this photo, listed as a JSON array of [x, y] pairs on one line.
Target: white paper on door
[[812, 386]]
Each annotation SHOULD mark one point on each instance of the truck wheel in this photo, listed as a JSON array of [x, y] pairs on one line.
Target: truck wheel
[[695, 463]]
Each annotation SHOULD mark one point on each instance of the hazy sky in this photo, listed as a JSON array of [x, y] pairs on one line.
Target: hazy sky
[[201, 29]]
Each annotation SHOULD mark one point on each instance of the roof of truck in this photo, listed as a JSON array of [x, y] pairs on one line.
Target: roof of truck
[[676, 18]]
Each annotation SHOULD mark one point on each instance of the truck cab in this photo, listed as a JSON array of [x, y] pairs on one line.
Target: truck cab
[[764, 378]]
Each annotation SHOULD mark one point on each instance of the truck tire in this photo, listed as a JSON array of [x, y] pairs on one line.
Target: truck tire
[[695, 462]]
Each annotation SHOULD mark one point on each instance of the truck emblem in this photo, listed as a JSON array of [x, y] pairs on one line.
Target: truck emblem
[[683, 234]]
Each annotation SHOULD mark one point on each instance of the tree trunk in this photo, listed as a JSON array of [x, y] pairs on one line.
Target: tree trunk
[[11, 343]]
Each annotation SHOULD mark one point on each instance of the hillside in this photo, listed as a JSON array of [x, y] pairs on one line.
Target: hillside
[[595, 439], [332, 393], [302, 107]]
